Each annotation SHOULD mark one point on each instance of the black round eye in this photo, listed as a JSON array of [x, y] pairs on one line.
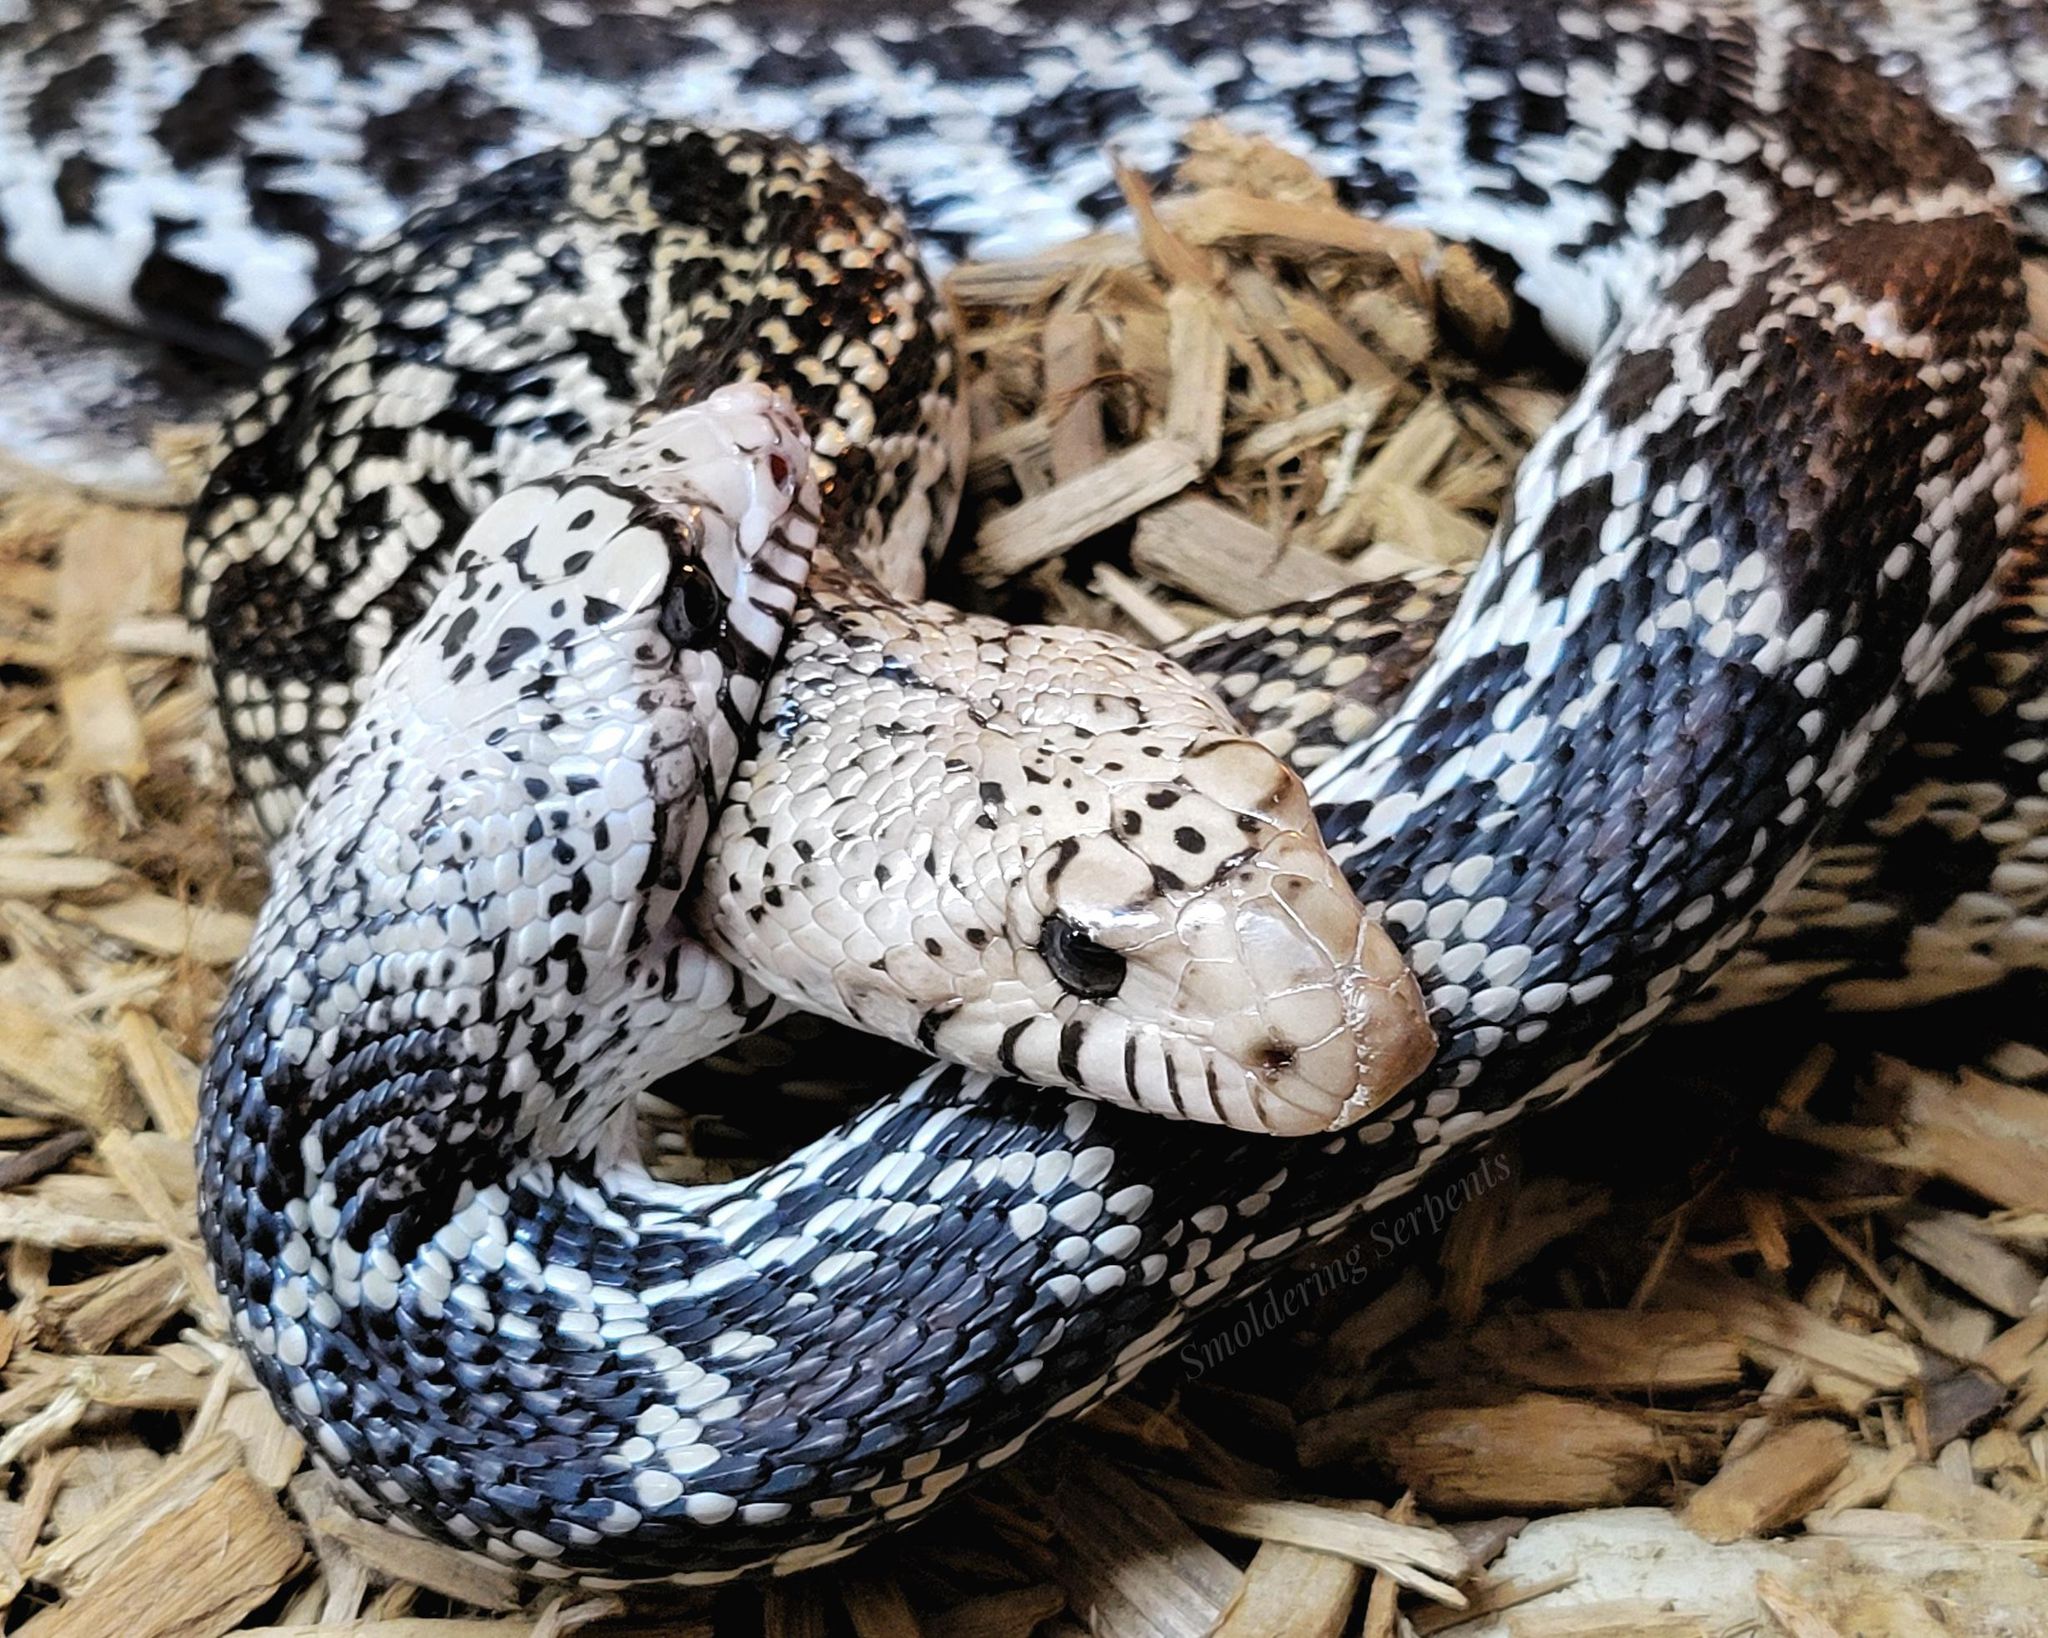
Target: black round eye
[[694, 610], [1082, 966]]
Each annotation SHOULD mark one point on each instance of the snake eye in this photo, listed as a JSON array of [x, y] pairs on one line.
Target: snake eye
[[694, 610], [1082, 966]]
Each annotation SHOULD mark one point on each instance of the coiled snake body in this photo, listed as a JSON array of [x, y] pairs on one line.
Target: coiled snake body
[[1745, 550]]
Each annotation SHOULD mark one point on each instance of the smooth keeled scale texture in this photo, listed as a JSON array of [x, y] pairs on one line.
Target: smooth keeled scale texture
[[1737, 559], [501, 334]]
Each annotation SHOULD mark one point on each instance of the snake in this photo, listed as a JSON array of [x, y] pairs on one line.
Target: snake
[[1748, 547]]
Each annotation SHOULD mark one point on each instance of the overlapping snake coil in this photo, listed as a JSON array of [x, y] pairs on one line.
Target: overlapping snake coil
[[1744, 552]]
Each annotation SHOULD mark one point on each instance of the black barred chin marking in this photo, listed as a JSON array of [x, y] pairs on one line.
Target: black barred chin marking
[[1732, 568]]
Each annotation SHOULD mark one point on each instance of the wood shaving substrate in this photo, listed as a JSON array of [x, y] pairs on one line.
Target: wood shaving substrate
[[1755, 1348]]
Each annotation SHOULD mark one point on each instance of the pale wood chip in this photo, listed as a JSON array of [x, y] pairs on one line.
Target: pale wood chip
[[121, 1381], [34, 875], [441, 1569], [1774, 1484], [1488, 1597], [114, 563], [272, 1451], [1982, 1133], [167, 1081], [99, 715], [118, 1529], [1356, 409], [233, 1528], [155, 1171], [53, 1067], [1137, 603], [1073, 353], [1533, 1451], [166, 926], [1010, 542], [1177, 260], [49, 1425], [1029, 279], [1967, 1511], [1799, 1618], [1198, 356], [160, 636], [72, 1212], [1221, 216], [1616, 1618], [1219, 155], [1420, 1557], [1771, 1325], [403, 1626], [1473, 300], [1221, 556], [1865, 1480], [122, 1308], [1291, 1592], [1616, 1349], [1128, 1562]]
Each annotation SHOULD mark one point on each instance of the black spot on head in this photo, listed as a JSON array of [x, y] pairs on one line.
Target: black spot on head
[[512, 642], [1188, 839]]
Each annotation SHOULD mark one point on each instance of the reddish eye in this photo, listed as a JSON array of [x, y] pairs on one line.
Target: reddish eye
[[778, 469]]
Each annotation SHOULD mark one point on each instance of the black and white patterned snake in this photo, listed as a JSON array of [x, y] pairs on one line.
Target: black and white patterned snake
[[1750, 545]]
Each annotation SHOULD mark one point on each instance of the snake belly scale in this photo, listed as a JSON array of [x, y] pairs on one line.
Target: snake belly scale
[[1742, 554]]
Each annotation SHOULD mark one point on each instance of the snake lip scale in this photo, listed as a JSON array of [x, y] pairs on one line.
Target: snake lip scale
[[1746, 549]]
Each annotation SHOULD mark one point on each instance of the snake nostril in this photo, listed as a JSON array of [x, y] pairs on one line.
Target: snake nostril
[[1082, 966]]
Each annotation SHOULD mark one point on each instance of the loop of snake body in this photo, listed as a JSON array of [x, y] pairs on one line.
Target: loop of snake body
[[1745, 550]]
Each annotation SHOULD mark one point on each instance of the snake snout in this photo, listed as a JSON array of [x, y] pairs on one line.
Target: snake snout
[[1317, 1019]]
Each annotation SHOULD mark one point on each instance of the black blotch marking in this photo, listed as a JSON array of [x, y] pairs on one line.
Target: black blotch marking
[[205, 124], [514, 642]]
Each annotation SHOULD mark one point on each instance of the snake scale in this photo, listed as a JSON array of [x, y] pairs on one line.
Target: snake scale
[[1748, 546]]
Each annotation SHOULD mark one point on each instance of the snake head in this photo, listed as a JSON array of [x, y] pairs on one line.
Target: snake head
[[1048, 853], [1202, 956]]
